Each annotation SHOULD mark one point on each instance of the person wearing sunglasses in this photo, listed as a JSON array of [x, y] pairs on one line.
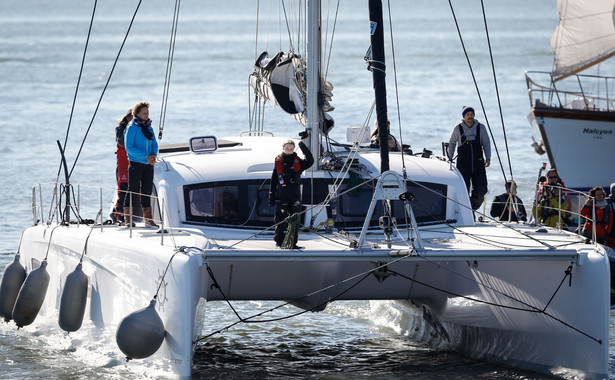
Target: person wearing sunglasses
[[550, 206]]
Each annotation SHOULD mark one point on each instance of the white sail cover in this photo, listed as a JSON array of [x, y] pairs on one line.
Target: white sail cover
[[280, 79], [585, 34]]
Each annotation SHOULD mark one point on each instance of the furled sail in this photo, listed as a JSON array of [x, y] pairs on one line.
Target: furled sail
[[585, 35], [281, 79]]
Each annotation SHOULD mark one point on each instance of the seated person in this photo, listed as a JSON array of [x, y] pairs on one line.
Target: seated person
[[604, 215], [374, 142], [508, 206], [552, 206], [552, 179], [393, 144]]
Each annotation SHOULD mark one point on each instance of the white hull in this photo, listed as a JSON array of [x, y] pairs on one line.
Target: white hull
[[578, 143], [533, 341], [124, 273]]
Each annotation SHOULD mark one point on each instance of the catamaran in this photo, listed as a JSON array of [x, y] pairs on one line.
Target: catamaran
[[390, 227]]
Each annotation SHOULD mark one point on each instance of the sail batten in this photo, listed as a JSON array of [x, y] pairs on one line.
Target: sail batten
[[585, 35]]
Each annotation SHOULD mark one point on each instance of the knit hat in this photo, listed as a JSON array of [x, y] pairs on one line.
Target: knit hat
[[613, 188], [466, 109]]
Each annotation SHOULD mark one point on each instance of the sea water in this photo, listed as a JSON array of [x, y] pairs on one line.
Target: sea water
[[41, 49]]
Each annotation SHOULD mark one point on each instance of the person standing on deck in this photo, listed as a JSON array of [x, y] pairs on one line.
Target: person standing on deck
[[473, 140], [285, 188], [142, 149], [121, 171]]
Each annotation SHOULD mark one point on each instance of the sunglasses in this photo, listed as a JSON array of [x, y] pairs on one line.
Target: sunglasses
[[552, 177]]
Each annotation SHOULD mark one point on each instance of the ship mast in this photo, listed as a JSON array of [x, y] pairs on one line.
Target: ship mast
[[313, 77], [378, 69]]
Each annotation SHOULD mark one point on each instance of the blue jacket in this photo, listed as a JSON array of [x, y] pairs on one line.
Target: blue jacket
[[138, 147]]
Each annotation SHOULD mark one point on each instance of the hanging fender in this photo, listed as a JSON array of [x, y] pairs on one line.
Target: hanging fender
[[31, 296], [12, 279], [73, 301], [141, 333]]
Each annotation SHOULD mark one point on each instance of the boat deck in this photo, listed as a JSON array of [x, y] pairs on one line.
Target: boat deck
[[483, 241]]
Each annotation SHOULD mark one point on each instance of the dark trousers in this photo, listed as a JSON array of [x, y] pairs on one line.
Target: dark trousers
[[140, 178], [477, 180], [282, 211], [121, 199]]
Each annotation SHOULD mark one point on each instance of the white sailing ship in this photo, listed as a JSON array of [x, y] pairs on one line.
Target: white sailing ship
[[573, 106]]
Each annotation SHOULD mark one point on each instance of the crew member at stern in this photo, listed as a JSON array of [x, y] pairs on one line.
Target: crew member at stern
[[285, 190]]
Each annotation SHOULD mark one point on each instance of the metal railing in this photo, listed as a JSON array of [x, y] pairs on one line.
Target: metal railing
[[99, 201], [574, 91], [568, 218], [86, 201]]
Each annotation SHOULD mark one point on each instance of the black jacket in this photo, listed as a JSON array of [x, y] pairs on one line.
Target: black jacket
[[286, 186], [499, 208]]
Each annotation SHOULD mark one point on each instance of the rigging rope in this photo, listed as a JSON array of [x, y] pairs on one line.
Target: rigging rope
[[105, 87], [497, 93], [401, 138], [300, 213], [72, 109], [288, 28], [167, 78], [480, 98], [328, 60], [532, 309], [386, 266], [249, 319]]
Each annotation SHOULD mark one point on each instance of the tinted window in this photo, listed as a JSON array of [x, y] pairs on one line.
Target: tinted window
[[232, 203], [245, 203]]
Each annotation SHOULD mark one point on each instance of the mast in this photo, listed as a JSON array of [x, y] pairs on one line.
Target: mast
[[313, 78], [378, 67]]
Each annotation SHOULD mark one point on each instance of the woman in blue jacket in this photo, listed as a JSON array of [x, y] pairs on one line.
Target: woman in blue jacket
[[141, 148]]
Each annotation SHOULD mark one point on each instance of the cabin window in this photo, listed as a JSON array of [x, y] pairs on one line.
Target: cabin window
[[246, 203], [214, 202], [429, 205], [258, 200], [232, 203]]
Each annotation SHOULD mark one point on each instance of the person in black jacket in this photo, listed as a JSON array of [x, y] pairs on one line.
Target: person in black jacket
[[473, 139], [285, 188], [508, 205]]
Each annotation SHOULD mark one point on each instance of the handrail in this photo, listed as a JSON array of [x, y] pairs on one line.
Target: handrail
[[573, 89], [95, 195], [87, 193], [572, 213]]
